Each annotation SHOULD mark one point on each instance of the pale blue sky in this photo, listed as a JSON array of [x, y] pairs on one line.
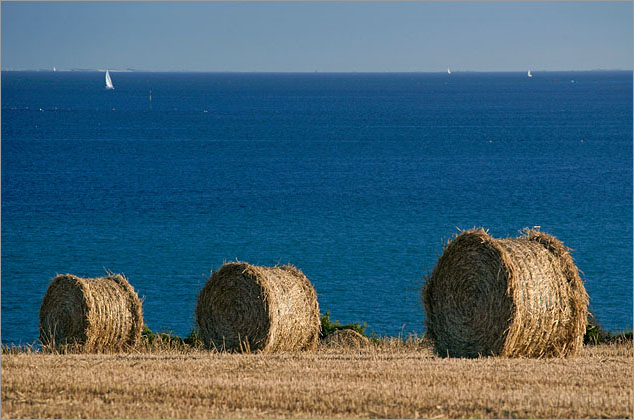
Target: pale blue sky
[[323, 36]]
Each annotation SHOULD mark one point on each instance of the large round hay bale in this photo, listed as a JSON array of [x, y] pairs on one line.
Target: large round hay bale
[[248, 308], [91, 315], [511, 297]]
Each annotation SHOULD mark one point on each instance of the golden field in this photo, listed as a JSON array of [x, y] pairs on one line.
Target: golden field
[[389, 379]]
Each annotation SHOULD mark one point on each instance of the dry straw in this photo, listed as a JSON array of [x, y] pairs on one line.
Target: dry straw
[[516, 297], [346, 338], [249, 308], [91, 315]]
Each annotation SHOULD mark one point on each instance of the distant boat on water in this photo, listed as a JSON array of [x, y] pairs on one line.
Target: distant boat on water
[[54, 69], [529, 74], [109, 84], [448, 70]]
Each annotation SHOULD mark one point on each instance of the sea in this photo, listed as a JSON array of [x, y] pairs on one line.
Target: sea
[[358, 179]]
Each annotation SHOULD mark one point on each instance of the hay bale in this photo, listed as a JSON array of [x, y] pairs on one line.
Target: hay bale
[[248, 308], [517, 297], [346, 338], [90, 315]]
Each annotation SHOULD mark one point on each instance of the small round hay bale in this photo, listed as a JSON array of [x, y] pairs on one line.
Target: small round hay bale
[[346, 338], [516, 297], [91, 315], [248, 308]]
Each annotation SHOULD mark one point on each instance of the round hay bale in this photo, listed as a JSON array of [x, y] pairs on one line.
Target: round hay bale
[[249, 308], [346, 338], [516, 297], [90, 315]]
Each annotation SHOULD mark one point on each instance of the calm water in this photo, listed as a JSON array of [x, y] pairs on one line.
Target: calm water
[[357, 179]]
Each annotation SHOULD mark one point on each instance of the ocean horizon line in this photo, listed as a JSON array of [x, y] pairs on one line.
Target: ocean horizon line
[[114, 70]]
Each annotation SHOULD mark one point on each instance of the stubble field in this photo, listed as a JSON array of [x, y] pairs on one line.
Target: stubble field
[[389, 380]]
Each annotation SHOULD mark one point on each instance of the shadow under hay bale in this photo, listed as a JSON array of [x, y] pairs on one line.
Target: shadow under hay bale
[[515, 297], [249, 308], [90, 314], [346, 338]]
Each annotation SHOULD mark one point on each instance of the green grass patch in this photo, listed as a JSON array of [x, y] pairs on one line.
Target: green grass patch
[[169, 339], [595, 334], [328, 327]]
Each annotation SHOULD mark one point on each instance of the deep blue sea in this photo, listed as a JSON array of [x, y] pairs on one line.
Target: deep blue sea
[[357, 179]]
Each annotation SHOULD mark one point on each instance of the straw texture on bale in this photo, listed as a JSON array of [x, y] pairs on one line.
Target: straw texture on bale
[[514, 297], [346, 338], [243, 307], [91, 314]]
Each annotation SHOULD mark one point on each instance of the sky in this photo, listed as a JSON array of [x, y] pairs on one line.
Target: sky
[[317, 36]]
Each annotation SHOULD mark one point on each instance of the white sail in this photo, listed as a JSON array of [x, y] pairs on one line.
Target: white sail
[[109, 84], [448, 70], [529, 74], [54, 69]]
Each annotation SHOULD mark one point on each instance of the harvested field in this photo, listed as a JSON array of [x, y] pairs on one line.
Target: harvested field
[[386, 380]]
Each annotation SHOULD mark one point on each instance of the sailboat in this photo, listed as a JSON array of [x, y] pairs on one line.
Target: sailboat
[[54, 69], [448, 71], [109, 84], [529, 74]]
